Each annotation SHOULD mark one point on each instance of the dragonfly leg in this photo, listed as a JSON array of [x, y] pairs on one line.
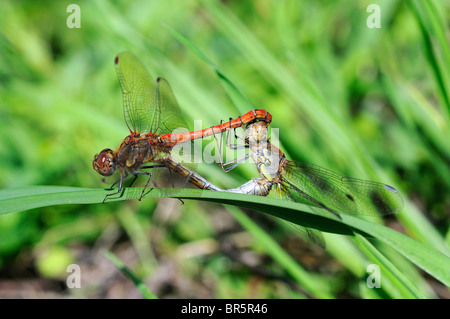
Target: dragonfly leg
[[136, 173], [238, 138], [236, 146], [173, 184], [229, 145], [114, 184], [135, 176], [132, 182], [149, 166], [120, 181], [152, 166], [236, 162]]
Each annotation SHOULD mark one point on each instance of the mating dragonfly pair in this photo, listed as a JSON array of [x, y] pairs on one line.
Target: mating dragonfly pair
[[152, 115]]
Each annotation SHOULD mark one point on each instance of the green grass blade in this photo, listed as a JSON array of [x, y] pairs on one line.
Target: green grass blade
[[145, 291], [137, 234], [425, 257], [312, 284], [432, 28], [24, 198], [404, 286], [240, 100], [335, 132]]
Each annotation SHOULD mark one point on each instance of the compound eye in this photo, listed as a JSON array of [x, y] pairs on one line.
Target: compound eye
[[102, 163]]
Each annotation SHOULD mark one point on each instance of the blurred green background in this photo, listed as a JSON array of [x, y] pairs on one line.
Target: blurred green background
[[372, 103]]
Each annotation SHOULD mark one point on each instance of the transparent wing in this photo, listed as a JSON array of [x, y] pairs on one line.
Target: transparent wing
[[312, 184], [311, 235], [138, 93], [171, 120]]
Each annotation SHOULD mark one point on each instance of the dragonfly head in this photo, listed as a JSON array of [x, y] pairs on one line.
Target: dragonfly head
[[104, 162], [257, 132]]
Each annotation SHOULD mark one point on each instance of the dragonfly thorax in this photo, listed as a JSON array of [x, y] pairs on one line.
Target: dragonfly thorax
[[134, 152]]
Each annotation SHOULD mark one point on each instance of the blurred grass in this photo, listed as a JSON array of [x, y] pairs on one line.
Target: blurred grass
[[368, 103], [427, 258], [146, 293]]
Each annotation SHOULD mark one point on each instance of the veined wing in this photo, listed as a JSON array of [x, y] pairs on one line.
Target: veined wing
[[311, 235], [171, 120], [138, 93], [341, 194]]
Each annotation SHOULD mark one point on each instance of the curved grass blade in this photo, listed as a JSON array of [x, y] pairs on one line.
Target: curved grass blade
[[145, 291], [435, 43], [425, 257], [312, 284], [239, 99], [403, 284]]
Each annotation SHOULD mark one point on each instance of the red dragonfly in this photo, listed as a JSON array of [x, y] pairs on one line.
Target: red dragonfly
[[152, 115]]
